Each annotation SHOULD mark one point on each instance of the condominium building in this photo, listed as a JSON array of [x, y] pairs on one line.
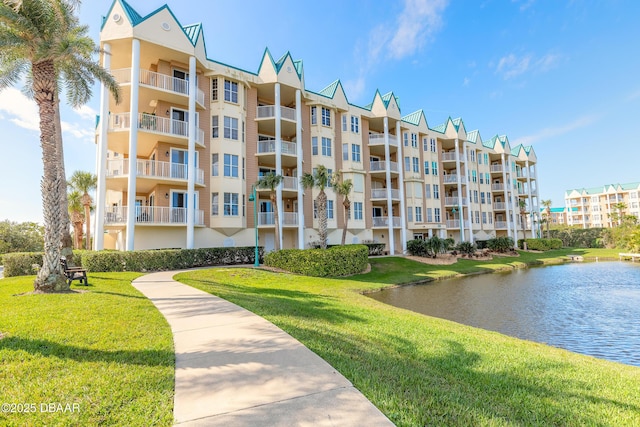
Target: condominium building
[[602, 206], [179, 157]]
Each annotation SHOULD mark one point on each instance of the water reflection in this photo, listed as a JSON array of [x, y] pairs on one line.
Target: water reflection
[[591, 308]]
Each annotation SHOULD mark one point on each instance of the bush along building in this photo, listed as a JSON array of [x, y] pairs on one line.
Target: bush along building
[[179, 157]]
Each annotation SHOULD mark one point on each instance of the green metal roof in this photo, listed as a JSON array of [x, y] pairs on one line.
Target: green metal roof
[[134, 16], [440, 128], [193, 31], [457, 122], [330, 90], [474, 136], [414, 118]]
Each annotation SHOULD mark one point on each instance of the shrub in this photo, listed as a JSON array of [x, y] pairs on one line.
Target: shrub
[[27, 263], [375, 248], [466, 248], [418, 247], [542, 244], [333, 262], [500, 244], [580, 237]]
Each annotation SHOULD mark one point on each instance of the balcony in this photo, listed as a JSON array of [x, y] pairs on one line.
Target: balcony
[[153, 169], [497, 187], [269, 147], [381, 193], [383, 221], [163, 82], [266, 219], [497, 168], [381, 166], [154, 124], [499, 206], [453, 201], [378, 139], [501, 225], [453, 179], [290, 219], [151, 215], [269, 112], [450, 156]]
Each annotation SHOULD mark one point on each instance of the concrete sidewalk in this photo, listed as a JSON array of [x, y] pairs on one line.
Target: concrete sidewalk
[[234, 368]]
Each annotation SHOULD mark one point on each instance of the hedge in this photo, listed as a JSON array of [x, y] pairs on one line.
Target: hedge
[[540, 244], [22, 264], [333, 262]]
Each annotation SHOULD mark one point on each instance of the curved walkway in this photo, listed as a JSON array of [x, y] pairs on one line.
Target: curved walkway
[[234, 368]]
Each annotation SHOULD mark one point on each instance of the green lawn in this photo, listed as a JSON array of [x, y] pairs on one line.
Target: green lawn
[[108, 353], [425, 371]]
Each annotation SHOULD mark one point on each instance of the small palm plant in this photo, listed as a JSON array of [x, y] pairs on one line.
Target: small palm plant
[[84, 182], [343, 188], [271, 181], [77, 217], [319, 179]]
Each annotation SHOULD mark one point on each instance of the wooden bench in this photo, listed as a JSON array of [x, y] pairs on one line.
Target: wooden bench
[[74, 273]]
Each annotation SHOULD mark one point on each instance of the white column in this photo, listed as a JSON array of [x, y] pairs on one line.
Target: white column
[[537, 193], [514, 201], [584, 220], [468, 178], [531, 205], [299, 166], [191, 156], [133, 143], [403, 223], [101, 169], [387, 154], [459, 180], [278, 111], [507, 201]]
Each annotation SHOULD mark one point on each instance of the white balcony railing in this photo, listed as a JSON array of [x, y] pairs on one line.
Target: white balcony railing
[[158, 81], [449, 156], [290, 183], [497, 187], [499, 206], [153, 169], [499, 225], [453, 201], [383, 221], [269, 112], [496, 168], [269, 146], [453, 178], [381, 165], [381, 193], [453, 223], [152, 215], [151, 123], [378, 139], [290, 218], [266, 218], [269, 218]]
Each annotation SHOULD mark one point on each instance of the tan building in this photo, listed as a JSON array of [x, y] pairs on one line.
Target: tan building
[[203, 132], [602, 206]]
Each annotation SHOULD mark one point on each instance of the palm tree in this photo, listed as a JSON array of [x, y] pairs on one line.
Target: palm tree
[[271, 181], [44, 40], [547, 212], [619, 214], [84, 182], [319, 179], [76, 216], [523, 215], [343, 188]]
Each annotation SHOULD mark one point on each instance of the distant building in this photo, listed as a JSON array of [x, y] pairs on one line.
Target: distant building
[[559, 216], [598, 206]]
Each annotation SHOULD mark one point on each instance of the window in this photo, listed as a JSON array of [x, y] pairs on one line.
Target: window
[[478, 217], [243, 168], [427, 191], [481, 176], [314, 145], [329, 176], [407, 164], [355, 124], [426, 168], [429, 215], [230, 204], [214, 164], [231, 91], [472, 153], [358, 183], [433, 145], [632, 195], [436, 212], [326, 146], [214, 204], [417, 190], [215, 129], [434, 168], [486, 178], [230, 128], [326, 117], [482, 199], [418, 214], [416, 165], [425, 144], [329, 209], [214, 89], [484, 217], [475, 196], [488, 198], [414, 140], [479, 158], [436, 191], [410, 213], [474, 176], [314, 115], [345, 152], [406, 139], [355, 152], [231, 165], [486, 158], [243, 131], [344, 123], [357, 210]]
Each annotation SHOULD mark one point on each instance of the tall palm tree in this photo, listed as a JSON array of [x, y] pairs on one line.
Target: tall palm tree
[[76, 216], [319, 179], [523, 216], [271, 181], [619, 214], [343, 188], [84, 182], [547, 212], [44, 40]]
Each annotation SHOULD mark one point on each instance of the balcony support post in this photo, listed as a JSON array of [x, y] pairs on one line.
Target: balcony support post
[[191, 155], [387, 154], [403, 224], [278, 131], [133, 143], [467, 177], [459, 186], [515, 209], [299, 166], [505, 188], [101, 169]]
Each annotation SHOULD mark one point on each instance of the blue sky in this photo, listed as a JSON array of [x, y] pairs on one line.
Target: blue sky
[[563, 76]]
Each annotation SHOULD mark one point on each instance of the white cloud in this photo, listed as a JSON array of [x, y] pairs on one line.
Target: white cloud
[[86, 112], [20, 110], [466, 81], [418, 21], [511, 65], [551, 132], [355, 88], [524, 5]]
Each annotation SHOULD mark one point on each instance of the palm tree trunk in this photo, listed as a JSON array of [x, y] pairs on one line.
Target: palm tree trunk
[[86, 201], [347, 208], [322, 218], [276, 219], [50, 277], [66, 242]]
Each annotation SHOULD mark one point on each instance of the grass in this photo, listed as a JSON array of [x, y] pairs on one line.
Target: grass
[[425, 371], [108, 351]]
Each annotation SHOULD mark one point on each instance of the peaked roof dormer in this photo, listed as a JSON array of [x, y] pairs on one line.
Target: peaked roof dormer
[[385, 105], [335, 91], [474, 137], [284, 70], [417, 118]]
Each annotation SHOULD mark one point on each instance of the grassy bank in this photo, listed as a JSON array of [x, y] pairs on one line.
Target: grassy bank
[[107, 352], [425, 371]]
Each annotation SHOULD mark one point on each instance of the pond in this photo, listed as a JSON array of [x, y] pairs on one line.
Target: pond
[[590, 308]]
